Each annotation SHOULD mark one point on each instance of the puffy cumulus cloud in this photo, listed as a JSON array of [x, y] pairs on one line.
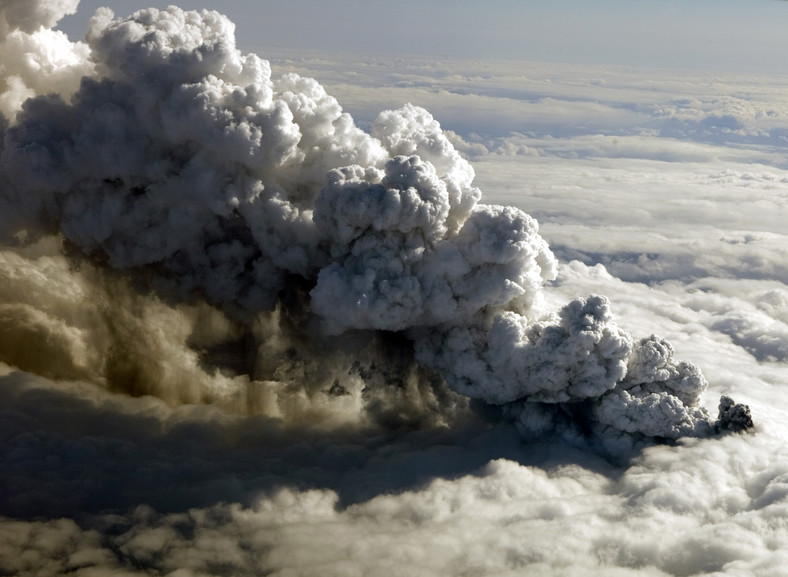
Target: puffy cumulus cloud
[[659, 396], [395, 534], [184, 162], [581, 356], [412, 130], [31, 16], [764, 337], [127, 156], [34, 59], [711, 507], [398, 267]]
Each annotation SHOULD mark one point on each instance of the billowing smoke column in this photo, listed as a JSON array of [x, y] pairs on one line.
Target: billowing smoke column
[[159, 149]]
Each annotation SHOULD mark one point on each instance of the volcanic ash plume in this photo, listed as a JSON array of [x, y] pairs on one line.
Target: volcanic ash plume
[[34, 59], [240, 230]]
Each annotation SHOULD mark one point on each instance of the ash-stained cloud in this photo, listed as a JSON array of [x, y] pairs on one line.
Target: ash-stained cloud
[[241, 335], [180, 162]]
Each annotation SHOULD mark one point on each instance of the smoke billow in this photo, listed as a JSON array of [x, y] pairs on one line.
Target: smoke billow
[[34, 59], [234, 238]]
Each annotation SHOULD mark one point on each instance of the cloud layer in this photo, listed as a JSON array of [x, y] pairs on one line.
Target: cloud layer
[[241, 334], [203, 492]]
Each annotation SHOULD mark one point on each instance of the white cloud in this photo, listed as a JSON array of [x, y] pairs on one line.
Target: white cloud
[[694, 113], [700, 507], [164, 434]]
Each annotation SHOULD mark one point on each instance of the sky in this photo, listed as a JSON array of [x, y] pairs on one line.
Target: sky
[[408, 311], [725, 35]]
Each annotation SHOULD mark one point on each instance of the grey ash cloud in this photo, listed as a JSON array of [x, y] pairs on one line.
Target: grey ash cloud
[[182, 160]]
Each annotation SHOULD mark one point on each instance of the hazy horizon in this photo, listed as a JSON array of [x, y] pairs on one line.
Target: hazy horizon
[[712, 35]]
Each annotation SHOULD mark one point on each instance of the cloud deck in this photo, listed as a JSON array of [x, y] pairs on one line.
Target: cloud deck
[[180, 224]]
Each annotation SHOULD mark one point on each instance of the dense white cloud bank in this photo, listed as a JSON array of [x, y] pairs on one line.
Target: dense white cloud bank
[[337, 313], [195, 491], [34, 59]]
